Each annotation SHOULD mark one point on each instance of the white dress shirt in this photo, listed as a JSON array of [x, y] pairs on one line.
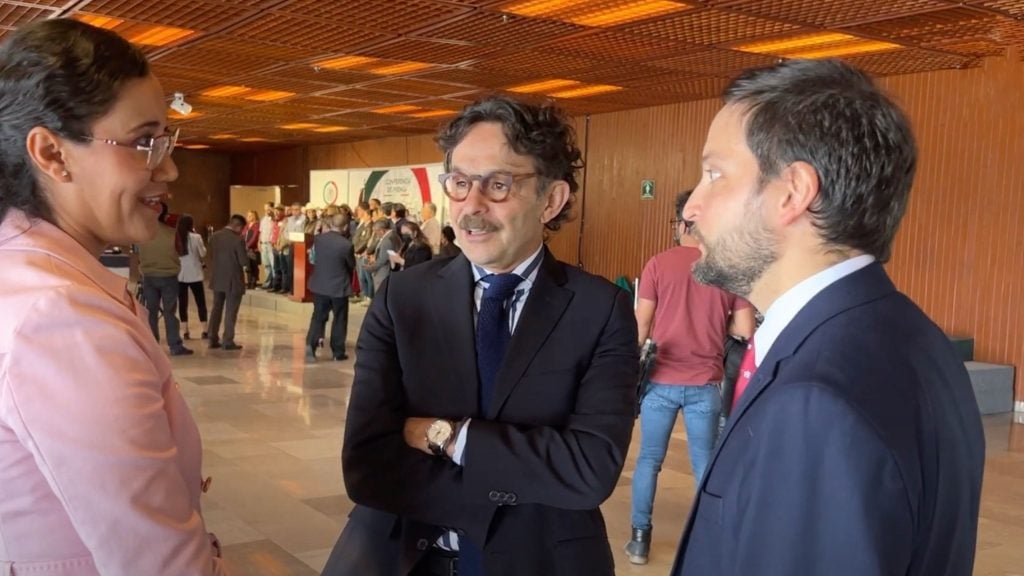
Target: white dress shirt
[[787, 306]]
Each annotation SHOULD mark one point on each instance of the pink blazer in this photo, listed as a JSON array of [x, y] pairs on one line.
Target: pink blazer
[[99, 455]]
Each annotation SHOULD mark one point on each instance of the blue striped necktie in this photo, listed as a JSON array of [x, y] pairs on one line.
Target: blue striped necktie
[[493, 331]]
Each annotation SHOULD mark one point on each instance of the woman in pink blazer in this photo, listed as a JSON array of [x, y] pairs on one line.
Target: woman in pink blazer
[[99, 456]]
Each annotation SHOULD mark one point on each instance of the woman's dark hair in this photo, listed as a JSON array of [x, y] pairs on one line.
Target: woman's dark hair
[[185, 224], [541, 132], [449, 234], [63, 75], [417, 232]]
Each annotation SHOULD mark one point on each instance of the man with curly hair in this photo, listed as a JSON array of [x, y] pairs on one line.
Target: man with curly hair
[[493, 398]]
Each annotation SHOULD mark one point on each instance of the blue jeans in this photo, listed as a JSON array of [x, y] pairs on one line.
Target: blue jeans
[[701, 405], [365, 280]]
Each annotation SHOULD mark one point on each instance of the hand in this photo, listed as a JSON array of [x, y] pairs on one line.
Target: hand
[[416, 433], [396, 259]]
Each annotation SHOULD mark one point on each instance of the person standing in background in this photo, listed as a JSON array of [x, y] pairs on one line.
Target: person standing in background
[[689, 322], [192, 251], [267, 246], [227, 280], [159, 265], [331, 286], [430, 226], [251, 236]]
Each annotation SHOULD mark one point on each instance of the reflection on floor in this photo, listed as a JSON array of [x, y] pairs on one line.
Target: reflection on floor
[[272, 426]]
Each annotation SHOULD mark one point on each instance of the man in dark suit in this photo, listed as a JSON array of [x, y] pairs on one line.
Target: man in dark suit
[[331, 286], [493, 398], [228, 260], [855, 446]]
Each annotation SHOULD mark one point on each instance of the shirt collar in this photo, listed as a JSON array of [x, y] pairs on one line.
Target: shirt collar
[[787, 306], [527, 268], [19, 232]]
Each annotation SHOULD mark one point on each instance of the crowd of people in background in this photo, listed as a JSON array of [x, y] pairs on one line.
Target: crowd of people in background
[[379, 238]]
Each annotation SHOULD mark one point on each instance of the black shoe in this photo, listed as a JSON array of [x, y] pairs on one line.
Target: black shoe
[[639, 547], [232, 346], [187, 336], [311, 354], [214, 344], [181, 351], [205, 335], [339, 358]]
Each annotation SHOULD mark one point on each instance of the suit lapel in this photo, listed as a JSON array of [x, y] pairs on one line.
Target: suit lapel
[[544, 307], [453, 296]]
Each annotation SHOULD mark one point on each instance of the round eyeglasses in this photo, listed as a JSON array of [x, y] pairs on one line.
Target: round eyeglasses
[[496, 186], [156, 147]]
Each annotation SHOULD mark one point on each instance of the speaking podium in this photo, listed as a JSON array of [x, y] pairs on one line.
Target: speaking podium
[[303, 271]]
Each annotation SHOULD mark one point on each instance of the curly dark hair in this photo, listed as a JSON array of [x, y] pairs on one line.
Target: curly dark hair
[[540, 132], [834, 117], [63, 75]]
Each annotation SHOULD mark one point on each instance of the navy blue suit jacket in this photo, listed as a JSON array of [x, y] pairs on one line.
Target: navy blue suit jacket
[[856, 450]]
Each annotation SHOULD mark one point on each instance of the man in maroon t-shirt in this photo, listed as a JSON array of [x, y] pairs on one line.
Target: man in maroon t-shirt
[[688, 321]]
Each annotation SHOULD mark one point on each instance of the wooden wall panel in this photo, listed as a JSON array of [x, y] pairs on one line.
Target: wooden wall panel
[[622, 230], [959, 253], [202, 187]]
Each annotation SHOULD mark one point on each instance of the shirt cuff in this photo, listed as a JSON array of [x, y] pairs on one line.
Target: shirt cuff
[[460, 442]]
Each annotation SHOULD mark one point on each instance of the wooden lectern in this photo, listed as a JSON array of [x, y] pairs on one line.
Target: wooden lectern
[[301, 243]]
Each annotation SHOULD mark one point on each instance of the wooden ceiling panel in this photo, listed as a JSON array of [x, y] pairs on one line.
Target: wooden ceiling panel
[[716, 62], [310, 33], [198, 15], [14, 15], [538, 64], [710, 27], [397, 17], [381, 97], [487, 28], [615, 46], [418, 87], [909, 62], [831, 13], [941, 30], [472, 48], [429, 51]]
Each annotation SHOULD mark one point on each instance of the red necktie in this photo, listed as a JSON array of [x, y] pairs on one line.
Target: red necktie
[[747, 369]]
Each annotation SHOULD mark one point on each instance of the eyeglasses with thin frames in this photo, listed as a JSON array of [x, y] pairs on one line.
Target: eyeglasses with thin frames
[[496, 186], [156, 147], [687, 224]]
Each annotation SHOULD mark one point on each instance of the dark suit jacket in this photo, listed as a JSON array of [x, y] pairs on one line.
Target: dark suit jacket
[[416, 253], [857, 449], [548, 451], [335, 260], [228, 260]]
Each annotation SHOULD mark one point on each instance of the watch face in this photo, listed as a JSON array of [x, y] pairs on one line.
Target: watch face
[[439, 432]]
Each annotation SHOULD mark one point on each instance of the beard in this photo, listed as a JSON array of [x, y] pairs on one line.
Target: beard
[[740, 256]]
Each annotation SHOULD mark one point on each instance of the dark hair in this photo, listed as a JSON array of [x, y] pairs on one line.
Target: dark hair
[[681, 199], [833, 117], [541, 132], [185, 224], [381, 225], [417, 232], [63, 75], [377, 200], [400, 211], [237, 220], [364, 206], [449, 234]]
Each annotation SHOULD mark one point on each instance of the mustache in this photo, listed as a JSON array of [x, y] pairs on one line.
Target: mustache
[[475, 222]]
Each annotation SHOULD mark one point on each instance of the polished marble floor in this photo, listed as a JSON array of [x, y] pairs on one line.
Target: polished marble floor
[[272, 427]]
